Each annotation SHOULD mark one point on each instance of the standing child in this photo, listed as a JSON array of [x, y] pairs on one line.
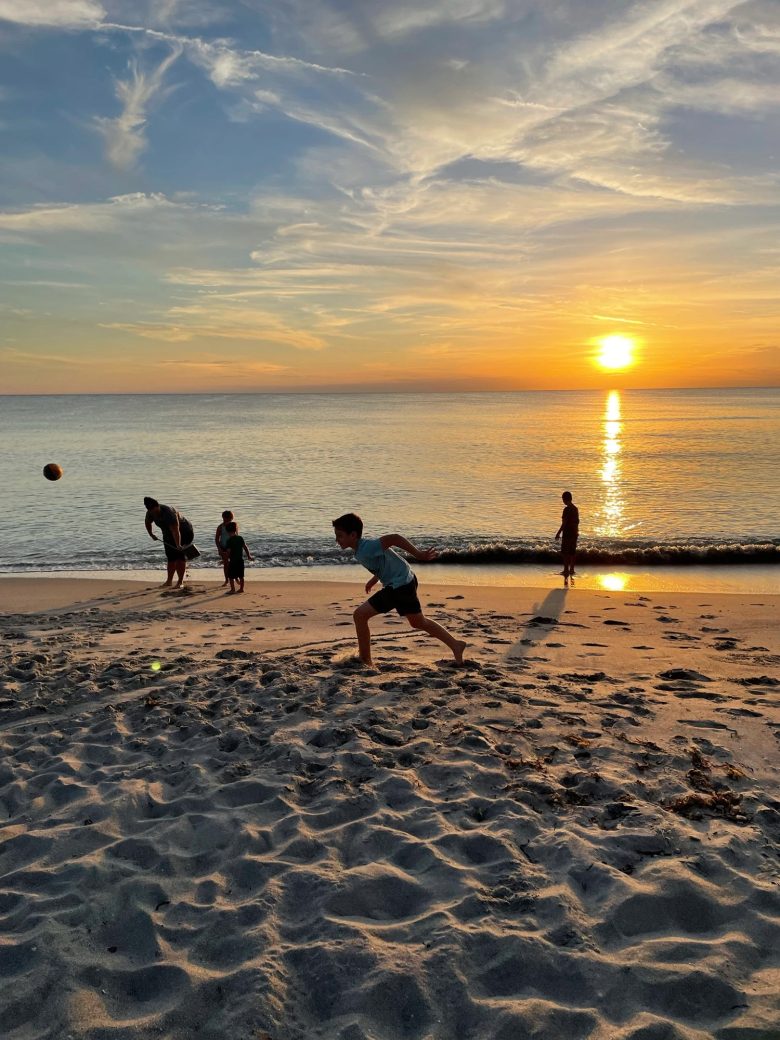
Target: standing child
[[236, 547], [398, 579], [568, 532], [221, 536]]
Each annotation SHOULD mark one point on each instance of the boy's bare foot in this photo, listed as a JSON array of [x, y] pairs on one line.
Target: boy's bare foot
[[166, 584], [240, 590], [457, 650], [230, 592], [225, 584]]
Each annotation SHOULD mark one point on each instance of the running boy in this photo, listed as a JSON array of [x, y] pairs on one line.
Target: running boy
[[221, 536], [398, 579], [236, 547], [568, 533]]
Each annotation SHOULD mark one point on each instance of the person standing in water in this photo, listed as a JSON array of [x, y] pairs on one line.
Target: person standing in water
[[568, 533]]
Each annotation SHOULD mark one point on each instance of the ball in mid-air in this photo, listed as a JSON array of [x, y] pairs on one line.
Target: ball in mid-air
[[52, 471]]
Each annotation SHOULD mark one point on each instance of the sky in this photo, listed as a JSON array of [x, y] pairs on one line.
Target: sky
[[252, 195]]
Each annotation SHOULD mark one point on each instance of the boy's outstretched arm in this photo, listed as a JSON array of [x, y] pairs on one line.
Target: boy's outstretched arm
[[397, 541]]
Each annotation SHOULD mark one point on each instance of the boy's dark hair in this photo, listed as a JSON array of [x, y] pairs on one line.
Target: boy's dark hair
[[151, 503], [232, 527], [351, 523], [566, 496], [227, 515]]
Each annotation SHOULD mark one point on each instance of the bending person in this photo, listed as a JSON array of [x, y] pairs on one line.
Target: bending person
[[177, 532]]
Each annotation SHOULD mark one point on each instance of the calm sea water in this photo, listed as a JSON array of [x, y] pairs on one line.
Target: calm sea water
[[660, 477]]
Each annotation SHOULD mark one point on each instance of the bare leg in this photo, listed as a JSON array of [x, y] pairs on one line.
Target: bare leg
[[240, 584], [225, 569], [180, 567], [171, 571], [361, 617], [420, 621]]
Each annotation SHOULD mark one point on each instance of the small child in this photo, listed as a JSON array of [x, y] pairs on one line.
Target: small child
[[398, 579], [568, 532], [221, 536], [236, 547]]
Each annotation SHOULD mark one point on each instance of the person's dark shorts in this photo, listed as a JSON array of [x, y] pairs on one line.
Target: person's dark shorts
[[569, 545], [403, 599], [186, 534], [173, 554], [235, 569]]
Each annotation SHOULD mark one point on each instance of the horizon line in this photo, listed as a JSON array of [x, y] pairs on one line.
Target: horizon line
[[378, 390]]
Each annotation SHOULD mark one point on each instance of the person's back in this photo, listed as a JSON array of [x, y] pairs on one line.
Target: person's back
[[235, 550], [570, 519], [235, 547]]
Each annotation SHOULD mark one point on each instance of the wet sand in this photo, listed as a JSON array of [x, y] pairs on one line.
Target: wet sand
[[214, 824]]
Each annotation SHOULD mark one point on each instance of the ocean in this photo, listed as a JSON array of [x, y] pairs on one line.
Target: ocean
[[663, 479]]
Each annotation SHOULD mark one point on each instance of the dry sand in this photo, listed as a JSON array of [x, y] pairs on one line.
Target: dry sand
[[214, 826]]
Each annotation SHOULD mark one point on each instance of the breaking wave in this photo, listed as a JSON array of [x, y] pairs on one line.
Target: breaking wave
[[270, 551]]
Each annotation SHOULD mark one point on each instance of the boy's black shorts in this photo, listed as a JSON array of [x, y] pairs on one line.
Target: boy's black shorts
[[403, 599], [236, 569]]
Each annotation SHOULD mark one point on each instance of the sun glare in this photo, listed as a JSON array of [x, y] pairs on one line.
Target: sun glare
[[616, 352]]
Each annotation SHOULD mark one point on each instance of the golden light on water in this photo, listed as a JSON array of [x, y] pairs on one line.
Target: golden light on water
[[617, 352], [610, 521], [615, 582]]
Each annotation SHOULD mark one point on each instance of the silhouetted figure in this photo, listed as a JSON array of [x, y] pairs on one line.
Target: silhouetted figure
[[568, 533]]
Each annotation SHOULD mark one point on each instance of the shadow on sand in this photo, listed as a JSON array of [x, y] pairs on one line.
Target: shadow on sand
[[545, 616]]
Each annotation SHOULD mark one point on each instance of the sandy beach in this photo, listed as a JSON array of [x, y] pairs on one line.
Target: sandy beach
[[215, 825]]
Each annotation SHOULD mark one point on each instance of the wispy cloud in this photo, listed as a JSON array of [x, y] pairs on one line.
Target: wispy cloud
[[61, 14], [407, 179], [125, 134], [12, 356]]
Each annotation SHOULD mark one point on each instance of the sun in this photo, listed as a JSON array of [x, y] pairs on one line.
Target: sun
[[617, 352]]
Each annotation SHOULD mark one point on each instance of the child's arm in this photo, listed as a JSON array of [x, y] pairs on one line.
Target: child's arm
[[397, 541], [249, 556], [217, 533], [371, 583]]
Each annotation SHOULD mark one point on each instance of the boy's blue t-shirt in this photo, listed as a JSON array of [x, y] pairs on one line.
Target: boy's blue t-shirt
[[386, 564]]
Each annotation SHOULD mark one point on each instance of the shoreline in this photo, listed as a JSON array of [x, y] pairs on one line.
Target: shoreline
[[742, 579], [216, 824]]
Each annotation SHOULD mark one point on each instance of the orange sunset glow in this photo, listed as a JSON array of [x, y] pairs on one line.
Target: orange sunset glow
[[431, 199]]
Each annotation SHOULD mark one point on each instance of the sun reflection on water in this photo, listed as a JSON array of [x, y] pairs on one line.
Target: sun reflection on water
[[614, 582], [611, 516]]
